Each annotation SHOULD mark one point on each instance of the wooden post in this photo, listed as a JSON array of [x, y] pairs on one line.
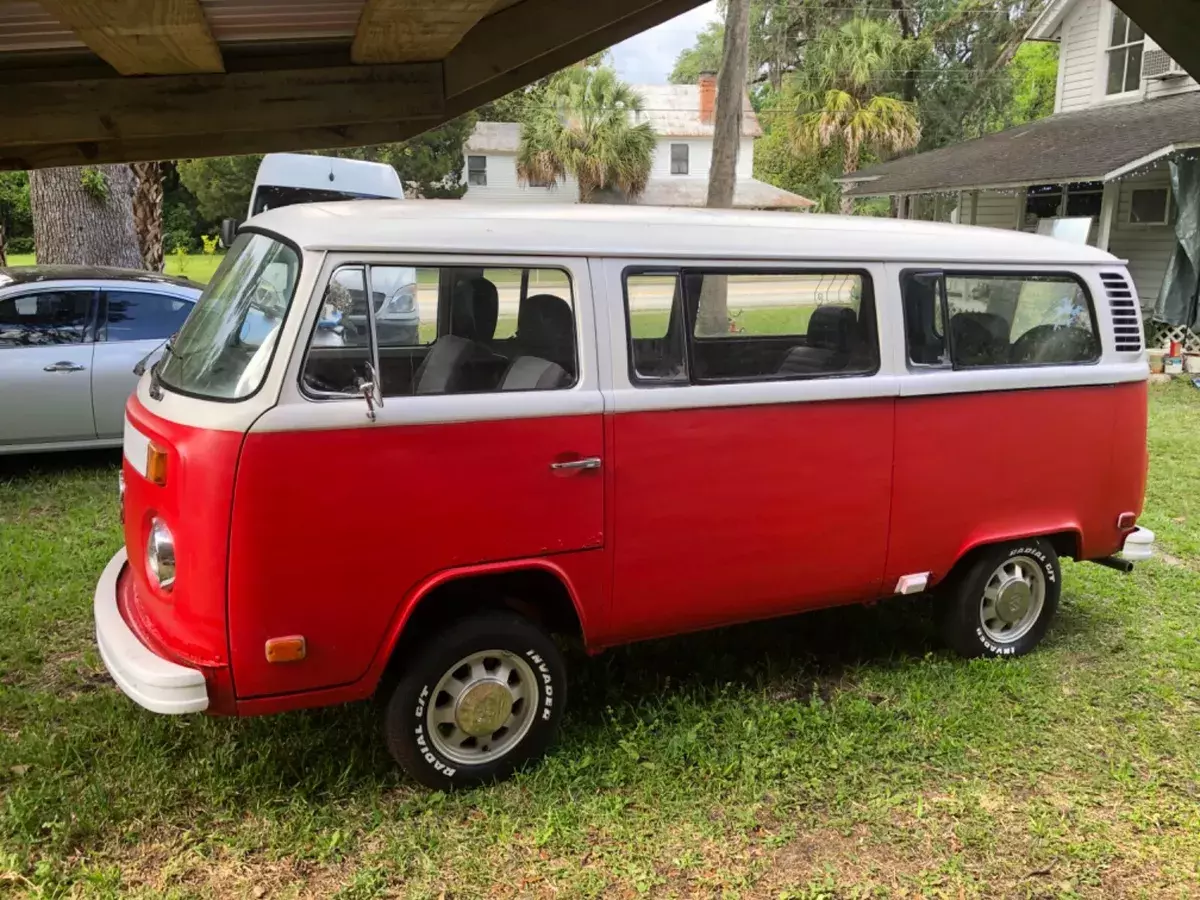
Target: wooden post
[[974, 211]]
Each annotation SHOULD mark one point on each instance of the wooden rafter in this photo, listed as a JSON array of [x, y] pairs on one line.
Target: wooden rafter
[[143, 37], [523, 41], [396, 31]]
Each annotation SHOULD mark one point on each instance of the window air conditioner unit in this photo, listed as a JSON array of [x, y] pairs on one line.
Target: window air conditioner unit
[[1157, 65]]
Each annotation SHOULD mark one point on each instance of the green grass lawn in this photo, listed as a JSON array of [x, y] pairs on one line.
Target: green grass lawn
[[198, 267], [835, 755]]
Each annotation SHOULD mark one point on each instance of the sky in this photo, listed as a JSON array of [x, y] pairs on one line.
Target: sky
[[648, 58]]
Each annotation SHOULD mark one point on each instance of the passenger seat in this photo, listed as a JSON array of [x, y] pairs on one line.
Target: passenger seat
[[832, 333], [459, 362], [546, 336]]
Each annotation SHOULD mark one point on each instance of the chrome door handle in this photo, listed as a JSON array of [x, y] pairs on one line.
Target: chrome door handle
[[590, 462], [63, 366]]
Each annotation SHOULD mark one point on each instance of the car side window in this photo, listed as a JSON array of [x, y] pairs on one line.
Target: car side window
[[142, 316], [45, 318]]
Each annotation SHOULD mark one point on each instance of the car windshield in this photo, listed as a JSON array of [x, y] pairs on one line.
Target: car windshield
[[226, 345]]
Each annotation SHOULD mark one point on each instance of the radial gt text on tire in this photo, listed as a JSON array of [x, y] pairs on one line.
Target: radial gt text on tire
[[1001, 604], [484, 696]]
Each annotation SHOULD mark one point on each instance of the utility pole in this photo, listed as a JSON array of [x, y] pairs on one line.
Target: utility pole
[[713, 314]]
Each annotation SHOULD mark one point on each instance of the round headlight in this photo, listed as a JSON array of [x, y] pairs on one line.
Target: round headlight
[[160, 554]]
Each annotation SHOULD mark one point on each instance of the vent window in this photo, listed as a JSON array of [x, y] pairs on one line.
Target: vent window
[[1127, 323]]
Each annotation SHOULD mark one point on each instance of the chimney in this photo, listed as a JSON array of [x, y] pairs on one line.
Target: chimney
[[708, 96]]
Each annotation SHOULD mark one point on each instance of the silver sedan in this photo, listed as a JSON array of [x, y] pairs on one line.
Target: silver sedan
[[69, 339]]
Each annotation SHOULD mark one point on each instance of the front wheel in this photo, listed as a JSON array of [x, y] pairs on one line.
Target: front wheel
[[486, 696], [1002, 604]]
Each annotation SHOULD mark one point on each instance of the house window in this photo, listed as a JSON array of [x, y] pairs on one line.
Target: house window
[[1150, 206], [1084, 198], [1043, 201], [679, 159], [477, 170], [1124, 55]]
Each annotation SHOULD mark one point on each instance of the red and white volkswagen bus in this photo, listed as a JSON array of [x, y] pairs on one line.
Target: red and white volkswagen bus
[[613, 424]]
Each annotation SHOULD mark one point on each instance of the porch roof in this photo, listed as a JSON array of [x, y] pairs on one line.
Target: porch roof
[[1098, 144]]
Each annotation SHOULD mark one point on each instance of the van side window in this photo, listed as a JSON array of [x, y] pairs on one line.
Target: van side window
[[654, 315], [444, 330], [1015, 320], [340, 347], [778, 325], [924, 323]]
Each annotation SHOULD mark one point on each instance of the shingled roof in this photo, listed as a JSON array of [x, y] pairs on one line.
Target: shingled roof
[[1091, 145]]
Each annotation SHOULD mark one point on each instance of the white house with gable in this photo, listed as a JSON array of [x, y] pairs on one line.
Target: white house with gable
[[682, 117], [1123, 111]]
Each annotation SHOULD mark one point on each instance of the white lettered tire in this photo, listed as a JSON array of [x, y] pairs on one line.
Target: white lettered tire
[[485, 696], [1002, 602]]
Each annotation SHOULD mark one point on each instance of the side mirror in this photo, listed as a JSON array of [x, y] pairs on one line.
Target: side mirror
[[229, 229]]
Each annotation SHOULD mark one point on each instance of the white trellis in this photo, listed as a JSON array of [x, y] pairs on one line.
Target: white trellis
[[1160, 334]]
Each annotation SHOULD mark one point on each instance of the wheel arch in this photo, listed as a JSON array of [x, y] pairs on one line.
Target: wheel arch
[[538, 589], [1066, 539]]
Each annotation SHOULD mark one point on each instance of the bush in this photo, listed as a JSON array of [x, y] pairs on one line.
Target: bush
[[178, 238], [20, 245]]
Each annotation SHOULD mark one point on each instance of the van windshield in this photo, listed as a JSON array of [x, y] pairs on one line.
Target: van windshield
[[226, 344], [269, 196]]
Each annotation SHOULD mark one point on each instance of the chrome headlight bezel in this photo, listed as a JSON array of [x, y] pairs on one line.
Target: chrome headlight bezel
[[160, 554]]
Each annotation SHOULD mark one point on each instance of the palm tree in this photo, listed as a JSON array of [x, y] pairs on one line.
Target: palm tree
[[586, 127], [838, 95]]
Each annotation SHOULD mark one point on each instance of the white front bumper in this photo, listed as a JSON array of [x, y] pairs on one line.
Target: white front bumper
[[146, 678], [1139, 545]]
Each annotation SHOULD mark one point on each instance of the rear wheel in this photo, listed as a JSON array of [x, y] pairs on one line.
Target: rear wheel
[[484, 697], [1002, 603]]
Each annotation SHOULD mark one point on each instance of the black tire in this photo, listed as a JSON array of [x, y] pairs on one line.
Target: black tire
[[962, 602], [408, 711]]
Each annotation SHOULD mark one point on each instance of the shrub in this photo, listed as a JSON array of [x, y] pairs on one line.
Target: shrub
[[176, 238], [20, 245]]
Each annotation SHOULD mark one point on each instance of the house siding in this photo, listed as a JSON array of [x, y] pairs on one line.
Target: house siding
[[1148, 248], [996, 209], [699, 157], [503, 185], [1080, 55], [1168, 87]]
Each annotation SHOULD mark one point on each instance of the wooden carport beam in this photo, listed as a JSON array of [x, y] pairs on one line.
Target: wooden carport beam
[[397, 31], [143, 37], [1174, 25], [523, 41]]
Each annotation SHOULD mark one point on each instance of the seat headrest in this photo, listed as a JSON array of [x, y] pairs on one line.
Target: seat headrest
[[546, 321], [485, 300], [832, 328], [462, 311]]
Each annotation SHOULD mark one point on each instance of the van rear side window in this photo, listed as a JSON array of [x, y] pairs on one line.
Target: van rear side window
[[749, 325], [997, 319]]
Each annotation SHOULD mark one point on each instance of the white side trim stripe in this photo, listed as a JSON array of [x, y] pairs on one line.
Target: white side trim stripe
[[135, 446]]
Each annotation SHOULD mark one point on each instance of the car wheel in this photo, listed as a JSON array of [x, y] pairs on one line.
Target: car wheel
[[485, 696], [1002, 602]]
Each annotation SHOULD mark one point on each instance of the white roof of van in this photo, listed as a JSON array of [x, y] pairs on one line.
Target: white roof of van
[[449, 226]]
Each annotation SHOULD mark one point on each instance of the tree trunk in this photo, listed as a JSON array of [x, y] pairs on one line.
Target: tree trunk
[[148, 213], [849, 167], [713, 315], [84, 216]]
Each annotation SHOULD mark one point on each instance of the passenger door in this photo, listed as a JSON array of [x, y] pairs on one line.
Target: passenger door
[[753, 449], [470, 463], [133, 323], [45, 366]]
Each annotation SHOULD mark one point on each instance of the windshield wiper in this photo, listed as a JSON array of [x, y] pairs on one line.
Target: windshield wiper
[[167, 346]]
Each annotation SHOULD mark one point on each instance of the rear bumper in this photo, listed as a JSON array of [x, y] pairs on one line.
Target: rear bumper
[[1138, 547], [158, 684]]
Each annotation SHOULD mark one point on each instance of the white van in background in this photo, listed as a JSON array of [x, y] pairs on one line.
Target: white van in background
[[287, 178]]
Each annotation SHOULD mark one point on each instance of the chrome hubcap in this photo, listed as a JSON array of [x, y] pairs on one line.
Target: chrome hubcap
[[482, 707], [1012, 599]]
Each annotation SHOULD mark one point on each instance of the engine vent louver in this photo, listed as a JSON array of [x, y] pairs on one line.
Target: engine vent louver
[[1127, 323]]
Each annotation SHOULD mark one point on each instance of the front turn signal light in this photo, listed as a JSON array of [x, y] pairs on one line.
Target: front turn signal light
[[156, 464], [292, 648]]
